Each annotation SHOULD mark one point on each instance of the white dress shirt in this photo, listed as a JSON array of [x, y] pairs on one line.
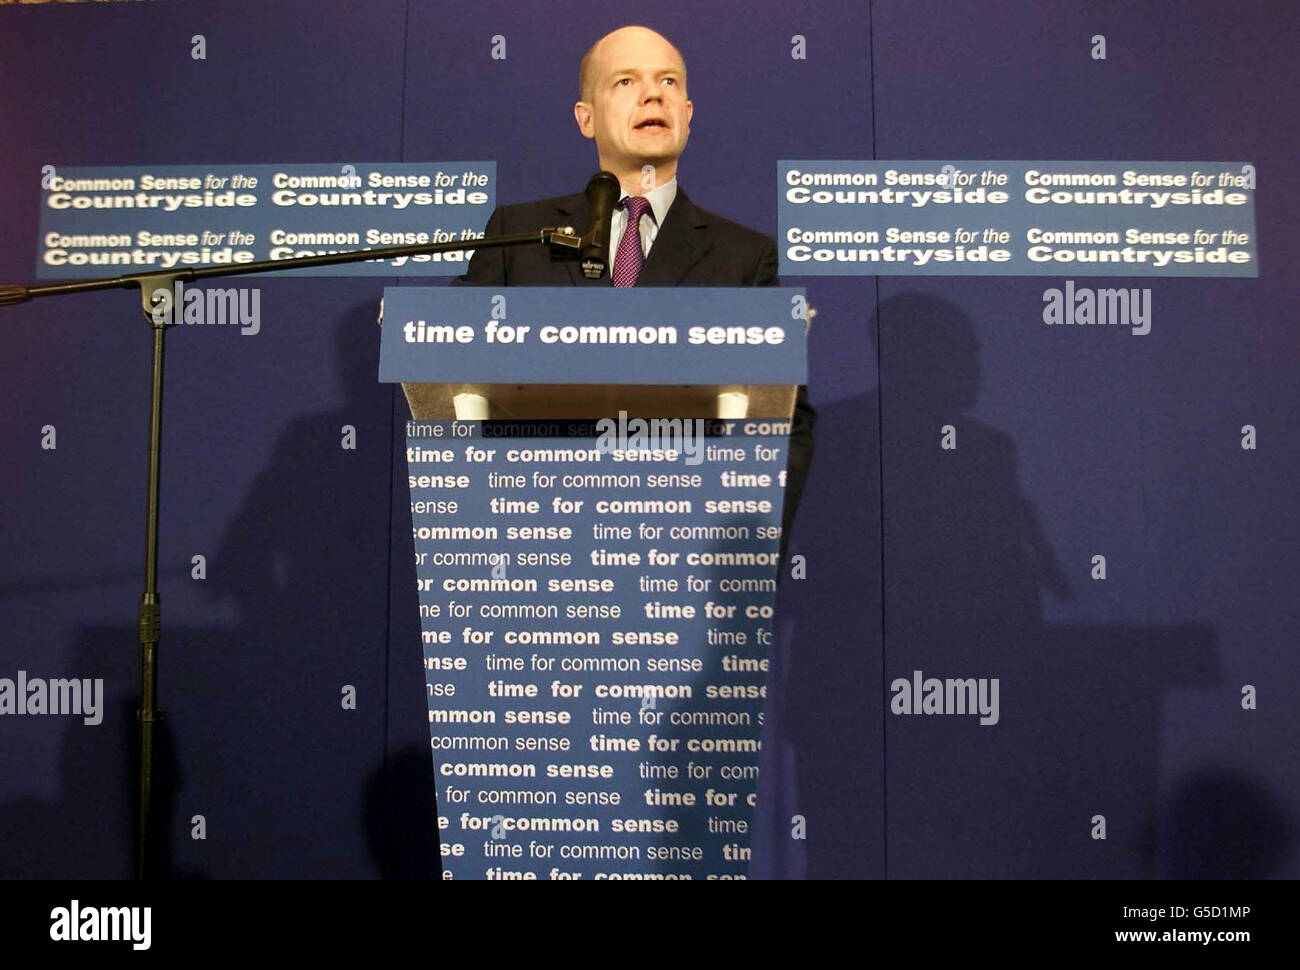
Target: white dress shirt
[[660, 200]]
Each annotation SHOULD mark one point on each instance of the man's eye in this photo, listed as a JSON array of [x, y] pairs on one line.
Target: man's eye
[[671, 80]]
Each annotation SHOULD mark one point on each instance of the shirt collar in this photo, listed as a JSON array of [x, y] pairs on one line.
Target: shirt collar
[[660, 199]]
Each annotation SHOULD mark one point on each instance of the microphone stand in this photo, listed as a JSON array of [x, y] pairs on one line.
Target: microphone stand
[[160, 311]]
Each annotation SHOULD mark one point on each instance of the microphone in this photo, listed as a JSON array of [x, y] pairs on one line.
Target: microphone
[[602, 195]]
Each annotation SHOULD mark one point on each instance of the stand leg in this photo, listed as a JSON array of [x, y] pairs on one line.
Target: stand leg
[[150, 617]]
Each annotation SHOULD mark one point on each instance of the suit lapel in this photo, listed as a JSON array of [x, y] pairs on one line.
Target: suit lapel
[[680, 243]]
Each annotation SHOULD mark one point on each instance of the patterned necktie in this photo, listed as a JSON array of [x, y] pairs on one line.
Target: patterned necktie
[[627, 262]]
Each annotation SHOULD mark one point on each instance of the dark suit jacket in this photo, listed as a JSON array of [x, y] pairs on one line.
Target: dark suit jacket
[[692, 248]]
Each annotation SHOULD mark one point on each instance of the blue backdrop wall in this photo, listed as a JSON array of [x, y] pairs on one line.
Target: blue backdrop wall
[[1121, 697]]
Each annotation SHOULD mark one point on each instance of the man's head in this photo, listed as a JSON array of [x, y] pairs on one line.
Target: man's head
[[633, 103]]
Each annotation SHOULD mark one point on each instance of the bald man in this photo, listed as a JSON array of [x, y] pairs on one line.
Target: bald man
[[633, 104]]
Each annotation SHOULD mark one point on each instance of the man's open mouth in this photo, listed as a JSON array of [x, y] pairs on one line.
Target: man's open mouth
[[651, 123]]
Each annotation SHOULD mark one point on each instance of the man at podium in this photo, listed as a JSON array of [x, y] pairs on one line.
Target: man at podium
[[634, 105]]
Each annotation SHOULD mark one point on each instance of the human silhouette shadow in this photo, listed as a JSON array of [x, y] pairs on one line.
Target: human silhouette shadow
[[305, 560], [253, 712], [87, 829], [966, 565], [1220, 824], [823, 712]]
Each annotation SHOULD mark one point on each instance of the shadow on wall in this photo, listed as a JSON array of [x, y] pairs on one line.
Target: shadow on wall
[[252, 710], [88, 829], [306, 561], [965, 566], [1221, 825]]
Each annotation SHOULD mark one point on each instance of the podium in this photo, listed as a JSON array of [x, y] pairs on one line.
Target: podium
[[596, 480]]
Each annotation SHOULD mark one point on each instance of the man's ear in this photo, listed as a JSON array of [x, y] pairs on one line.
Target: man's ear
[[690, 113], [582, 114]]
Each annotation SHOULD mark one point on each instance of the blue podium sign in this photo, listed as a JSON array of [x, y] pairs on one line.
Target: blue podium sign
[[582, 335], [596, 628]]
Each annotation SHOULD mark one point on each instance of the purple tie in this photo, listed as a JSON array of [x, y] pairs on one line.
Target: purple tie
[[627, 262]]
